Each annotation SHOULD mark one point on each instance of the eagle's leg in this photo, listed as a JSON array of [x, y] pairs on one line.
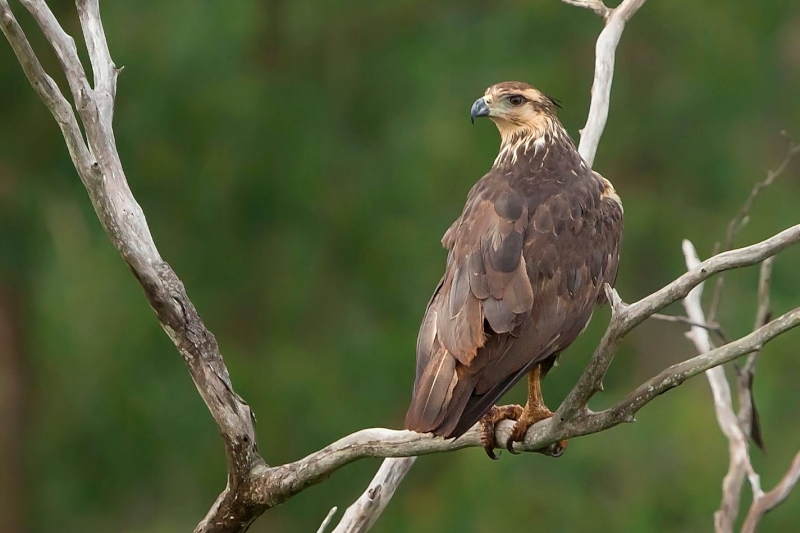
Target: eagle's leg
[[535, 410], [488, 421]]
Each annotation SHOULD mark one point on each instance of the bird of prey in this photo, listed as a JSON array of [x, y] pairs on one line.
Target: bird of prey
[[527, 262]]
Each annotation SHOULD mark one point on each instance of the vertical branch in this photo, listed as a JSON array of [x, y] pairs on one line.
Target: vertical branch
[[728, 422], [748, 415], [100, 169], [364, 512], [103, 68], [605, 51]]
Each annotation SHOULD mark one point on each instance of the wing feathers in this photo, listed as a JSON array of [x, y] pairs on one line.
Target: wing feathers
[[527, 261], [433, 392]]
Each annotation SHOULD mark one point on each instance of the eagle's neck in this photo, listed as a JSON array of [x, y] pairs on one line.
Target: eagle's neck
[[525, 143]]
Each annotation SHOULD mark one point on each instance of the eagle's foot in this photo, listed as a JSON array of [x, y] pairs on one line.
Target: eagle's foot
[[530, 415], [535, 410], [490, 419]]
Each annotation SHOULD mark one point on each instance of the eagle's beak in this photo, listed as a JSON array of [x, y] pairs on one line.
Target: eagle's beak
[[479, 109]]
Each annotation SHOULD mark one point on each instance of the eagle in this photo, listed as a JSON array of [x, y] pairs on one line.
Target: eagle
[[527, 262]]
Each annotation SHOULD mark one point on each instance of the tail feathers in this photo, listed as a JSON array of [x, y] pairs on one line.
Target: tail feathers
[[476, 406], [432, 393]]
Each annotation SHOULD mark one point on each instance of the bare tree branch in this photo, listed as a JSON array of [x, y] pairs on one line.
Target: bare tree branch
[[735, 427], [45, 87], [597, 6], [325, 523], [748, 415], [605, 51], [625, 318], [122, 218], [103, 68], [773, 498], [364, 512], [714, 328], [739, 453]]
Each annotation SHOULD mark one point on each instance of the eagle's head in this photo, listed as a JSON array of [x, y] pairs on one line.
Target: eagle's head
[[517, 109]]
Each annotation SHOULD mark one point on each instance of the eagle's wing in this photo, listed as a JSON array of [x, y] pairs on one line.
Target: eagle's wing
[[522, 277], [485, 290]]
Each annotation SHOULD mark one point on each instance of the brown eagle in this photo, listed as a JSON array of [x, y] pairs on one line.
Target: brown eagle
[[527, 261]]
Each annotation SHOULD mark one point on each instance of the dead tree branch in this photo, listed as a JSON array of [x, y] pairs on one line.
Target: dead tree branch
[[737, 428], [773, 498], [713, 328], [748, 415], [363, 514], [605, 52], [739, 454], [99, 166]]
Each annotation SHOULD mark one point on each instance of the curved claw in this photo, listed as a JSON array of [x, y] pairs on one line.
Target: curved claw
[[487, 438], [488, 421], [510, 446]]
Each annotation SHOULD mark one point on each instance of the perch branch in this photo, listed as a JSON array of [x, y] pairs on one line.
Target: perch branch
[[291, 478], [625, 318]]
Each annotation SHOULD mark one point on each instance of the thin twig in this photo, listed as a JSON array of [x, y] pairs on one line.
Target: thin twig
[[748, 414], [594, 5], [325, 523], [741, 218], [714, 328]]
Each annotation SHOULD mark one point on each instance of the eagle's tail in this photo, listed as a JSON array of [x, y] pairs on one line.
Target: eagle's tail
[[433, 392]]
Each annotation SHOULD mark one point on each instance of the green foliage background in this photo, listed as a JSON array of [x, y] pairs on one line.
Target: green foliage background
[[298, 163]]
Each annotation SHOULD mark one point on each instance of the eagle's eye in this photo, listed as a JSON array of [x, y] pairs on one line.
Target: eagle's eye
[[516, 99]]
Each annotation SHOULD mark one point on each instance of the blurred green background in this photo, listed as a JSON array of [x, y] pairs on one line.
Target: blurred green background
[[298, 162]]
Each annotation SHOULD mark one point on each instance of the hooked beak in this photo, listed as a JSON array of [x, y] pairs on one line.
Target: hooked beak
[[479, 109]]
